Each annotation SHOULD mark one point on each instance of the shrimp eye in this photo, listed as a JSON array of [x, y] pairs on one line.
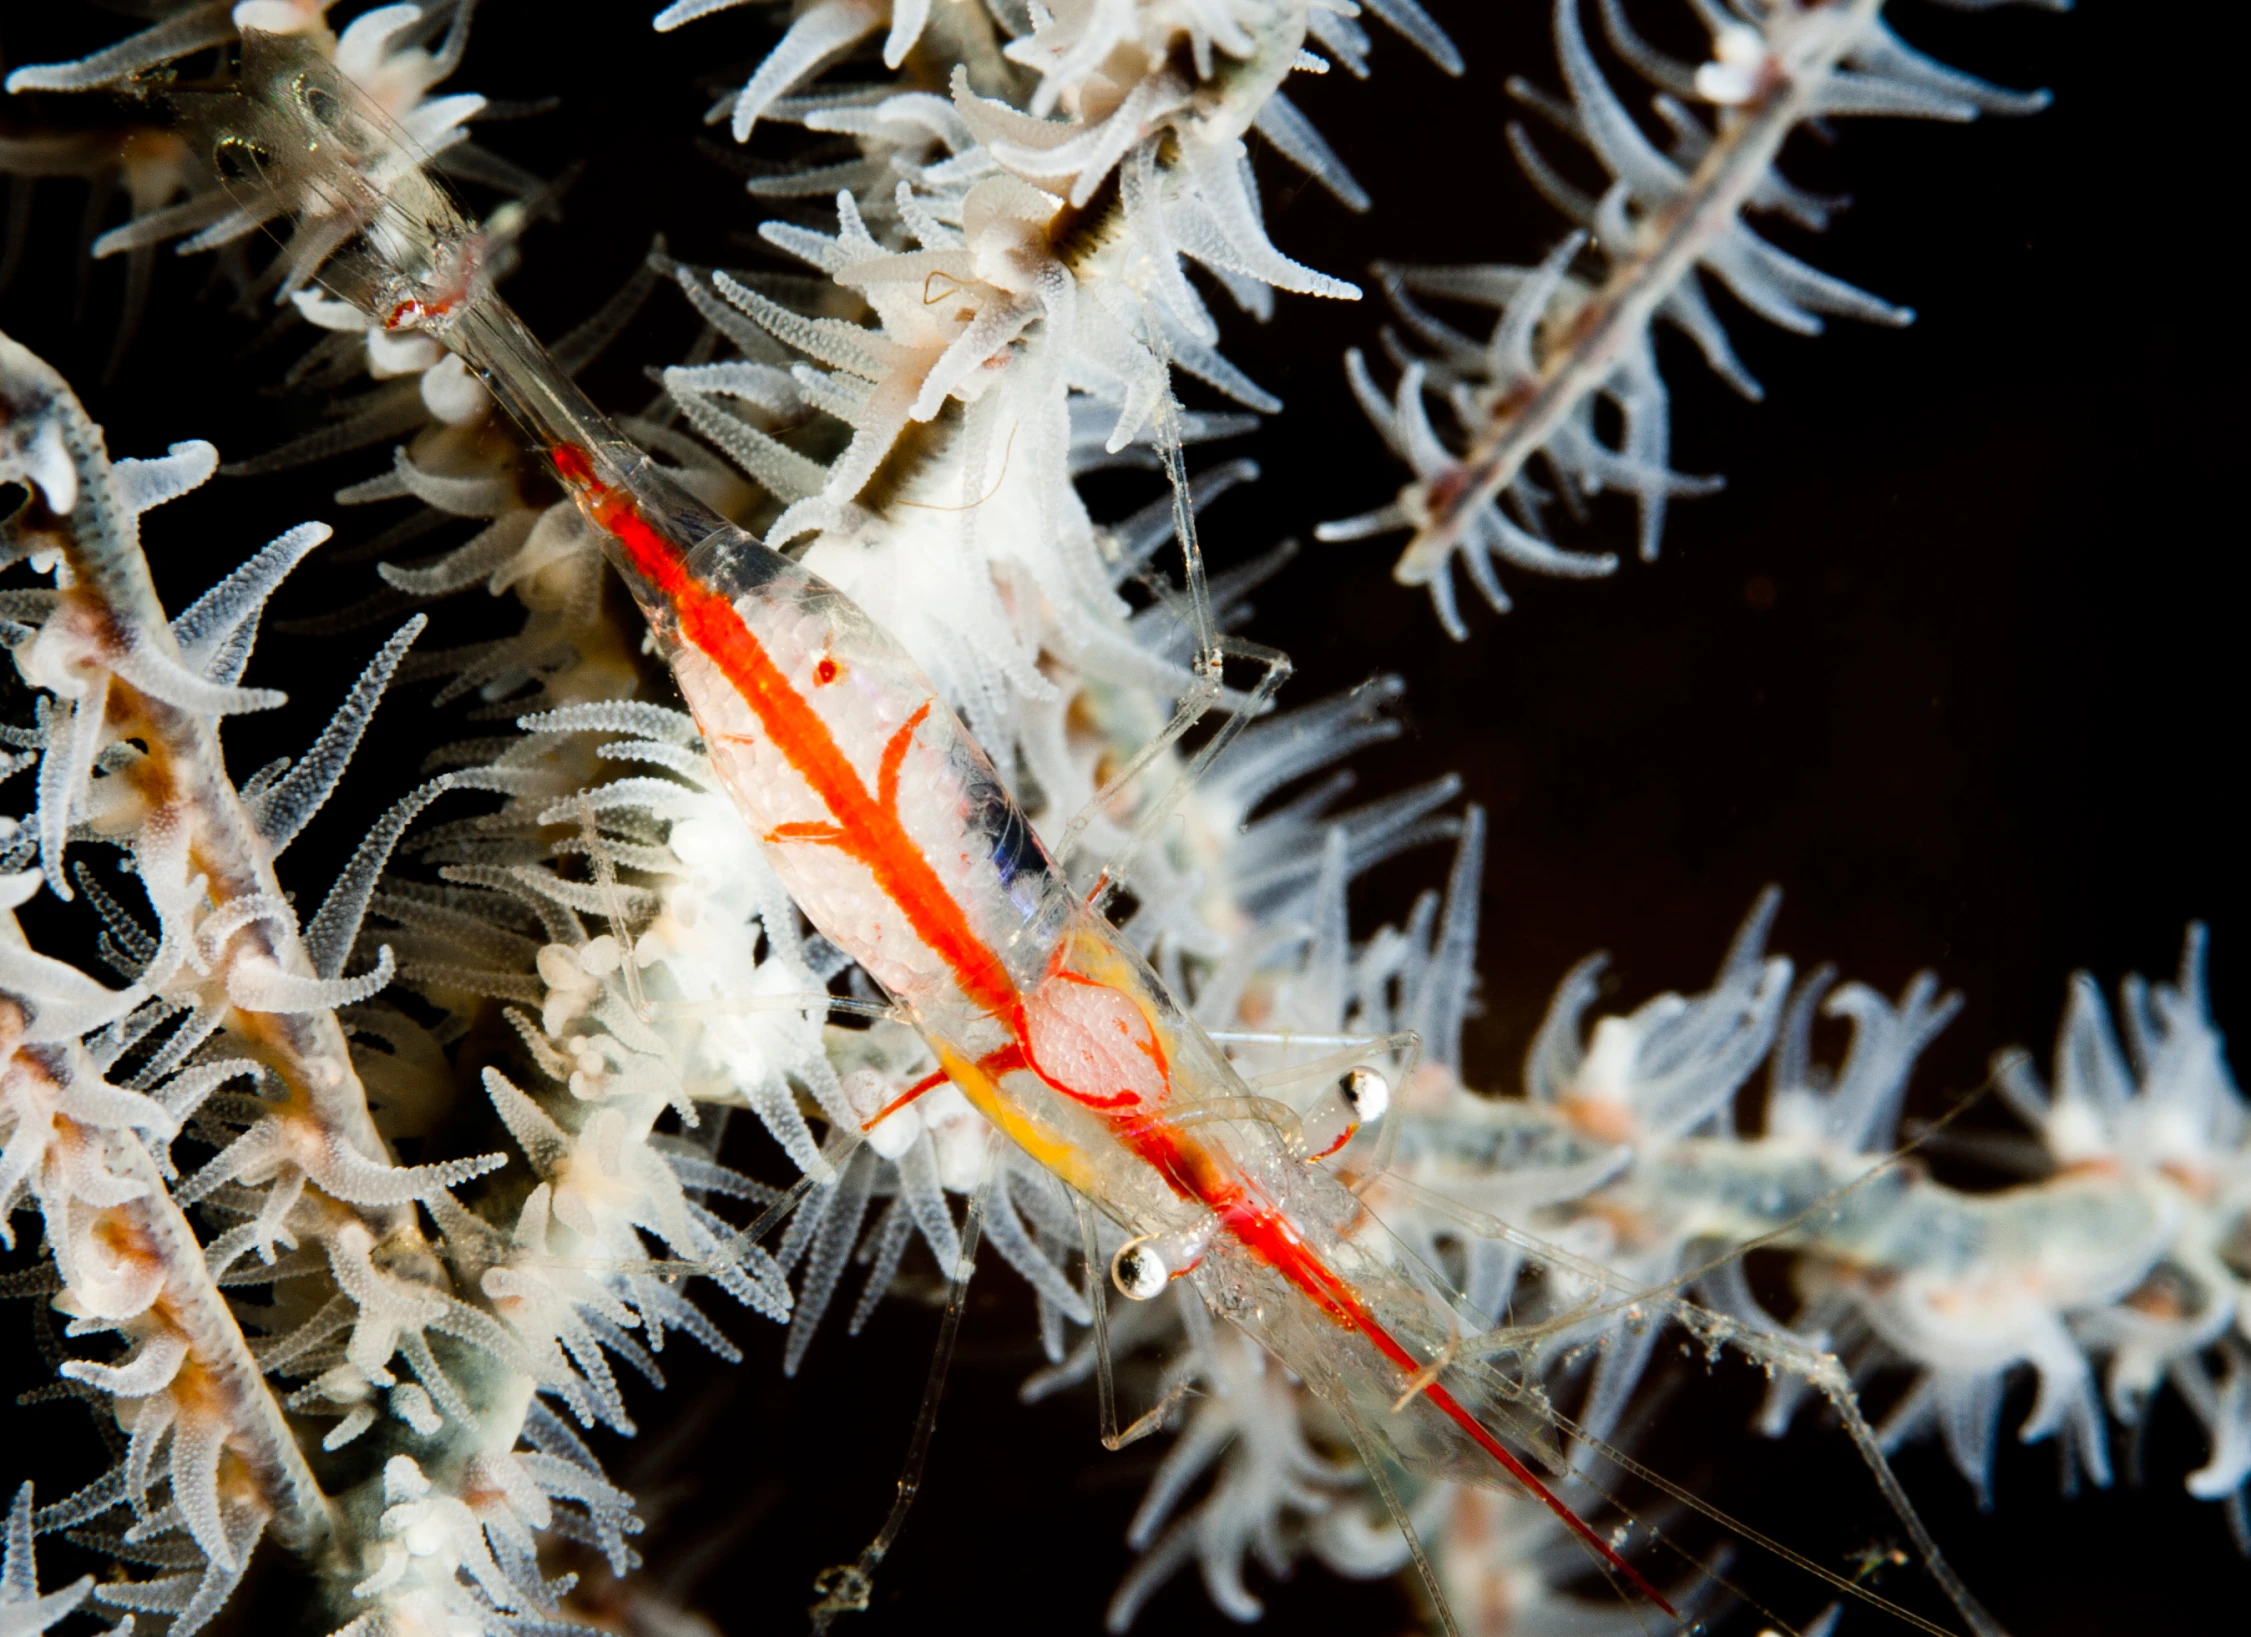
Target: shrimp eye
[[1138, 1271], [826, 670], [1368, 1093]]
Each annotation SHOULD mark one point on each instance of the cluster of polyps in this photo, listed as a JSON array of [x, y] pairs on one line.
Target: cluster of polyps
[[1011, 343], [2116, 1270], [1095, 61], [23, 1612], [449, 455], [2122, 1254], [706, 995], [129, 753], [436, 1360], [1025, 295]]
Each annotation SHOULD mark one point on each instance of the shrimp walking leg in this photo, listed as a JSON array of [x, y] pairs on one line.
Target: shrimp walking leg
[[1204, 696], [845, 1587], [1105, 1367], [1212, 651], [1371, 1457], [1775, 1352], [1098, 1308]]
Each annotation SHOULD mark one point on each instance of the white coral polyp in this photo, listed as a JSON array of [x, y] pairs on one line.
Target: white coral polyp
[[399, 80], [298, 17], [430, 1544], [1089, 52], [55, 1116]]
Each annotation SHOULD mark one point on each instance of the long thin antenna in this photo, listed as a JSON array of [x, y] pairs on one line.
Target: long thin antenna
[[1372, 1459], [1105, 1384]]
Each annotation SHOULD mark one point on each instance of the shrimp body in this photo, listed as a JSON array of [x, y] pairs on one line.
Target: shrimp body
[[890, 828]]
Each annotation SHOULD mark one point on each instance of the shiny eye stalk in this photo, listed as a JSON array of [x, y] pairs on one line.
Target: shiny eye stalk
[[1139, 1271], [1359, 1097], [1143, 1267], [1368, 1093]]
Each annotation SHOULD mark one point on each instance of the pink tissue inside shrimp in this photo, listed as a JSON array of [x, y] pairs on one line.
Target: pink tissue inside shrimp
[[1091, 1042]]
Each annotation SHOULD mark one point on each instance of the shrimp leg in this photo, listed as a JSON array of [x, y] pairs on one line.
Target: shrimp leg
[[1371, 1458], [1105, 1369], [1193, 708], [1213, 649], [844, 1588]]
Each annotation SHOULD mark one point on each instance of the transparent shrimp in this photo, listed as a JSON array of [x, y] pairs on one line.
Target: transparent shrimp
[[891, 829]]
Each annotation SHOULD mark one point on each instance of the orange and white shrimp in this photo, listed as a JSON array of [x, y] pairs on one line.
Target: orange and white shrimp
[[888, 825], [896, 838]]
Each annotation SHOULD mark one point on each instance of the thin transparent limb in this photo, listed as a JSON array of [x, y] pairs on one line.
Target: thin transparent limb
[[1402, 1047], [1839, 1393], [1208, 688], [1277, 669], [613, 903], [1420, 1382], [1105, 1380], [1629, 1294], [1184, 530], [844, 1588], [1194, 705], [1293, 1037], [1772, 1350], [1371, 1457], [840, 1146], [1707, 1573], [1152, 1420], [670, 1269], [1105, 1376], [1982, 1623], [800, 1000], [1223, 1110]]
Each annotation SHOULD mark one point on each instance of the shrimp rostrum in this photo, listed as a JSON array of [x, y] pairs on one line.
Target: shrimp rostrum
[[891, 829]]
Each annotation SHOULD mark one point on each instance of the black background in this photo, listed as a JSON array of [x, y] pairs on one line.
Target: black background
[[1949, 659]]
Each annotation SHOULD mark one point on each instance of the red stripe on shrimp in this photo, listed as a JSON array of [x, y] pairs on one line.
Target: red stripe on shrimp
[[1268, 1235], [867, 828]]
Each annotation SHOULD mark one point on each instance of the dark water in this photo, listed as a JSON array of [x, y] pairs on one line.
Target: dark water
[[1954, 659]]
